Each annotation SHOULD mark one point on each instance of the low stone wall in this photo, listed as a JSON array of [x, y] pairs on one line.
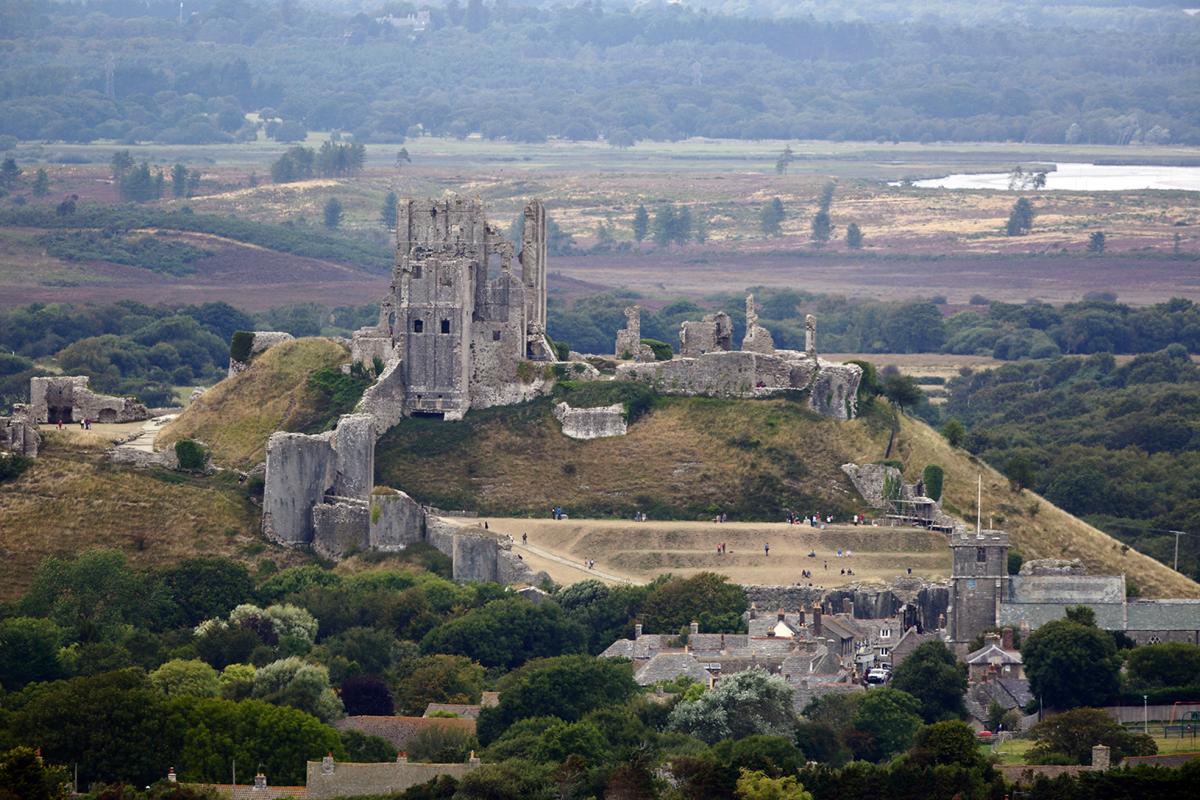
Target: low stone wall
[[355, 779], [135, 457], [832, 388], [591, 423]]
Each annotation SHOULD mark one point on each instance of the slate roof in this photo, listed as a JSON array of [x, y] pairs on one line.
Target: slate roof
[[1163, 615], [1109, 616], [668, 666], [1068, 589], [841, 627], [398, 730]]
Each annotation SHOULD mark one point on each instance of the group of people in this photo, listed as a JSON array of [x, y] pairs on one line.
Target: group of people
[[722, 517], [639, 516], [721, 549], [85, 424], [558, 513]]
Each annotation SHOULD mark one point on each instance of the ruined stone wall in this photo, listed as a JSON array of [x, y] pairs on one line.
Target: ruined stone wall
[[396, 521], [383, 400], [713, 333], [340, 527], [741, 374], [379, 779], [300, 470], [479, 555], [68, 399], [19, 433], [354, 448], [757, 339], [369, 344], [591, 423]]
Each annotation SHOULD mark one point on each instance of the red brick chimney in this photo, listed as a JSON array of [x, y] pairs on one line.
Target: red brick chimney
[[1006, 638], [816, 621], [801, 621]]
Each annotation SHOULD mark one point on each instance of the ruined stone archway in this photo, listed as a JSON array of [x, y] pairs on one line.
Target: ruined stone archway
[[57, 414], [107, 415]]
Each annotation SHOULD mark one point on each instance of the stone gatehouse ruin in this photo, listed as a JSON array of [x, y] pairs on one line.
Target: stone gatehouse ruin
[[458, 328], [68, 399]]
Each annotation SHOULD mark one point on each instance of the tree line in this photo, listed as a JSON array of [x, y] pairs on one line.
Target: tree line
[[872, 78]]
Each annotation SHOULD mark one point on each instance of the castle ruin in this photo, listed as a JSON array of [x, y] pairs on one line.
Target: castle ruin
[[68, 399], [458, 329]]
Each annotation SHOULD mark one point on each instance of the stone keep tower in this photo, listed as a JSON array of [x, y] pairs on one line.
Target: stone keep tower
[[978, 582]]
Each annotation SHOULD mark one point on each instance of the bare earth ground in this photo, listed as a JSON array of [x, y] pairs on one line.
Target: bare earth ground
[[639, 551], [918, 242]]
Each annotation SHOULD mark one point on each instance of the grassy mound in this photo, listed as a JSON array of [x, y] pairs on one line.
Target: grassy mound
[[687, 458], [236, 417], [70, 499]]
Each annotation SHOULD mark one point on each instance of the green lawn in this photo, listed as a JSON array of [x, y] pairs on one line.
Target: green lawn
[[1013, 751]]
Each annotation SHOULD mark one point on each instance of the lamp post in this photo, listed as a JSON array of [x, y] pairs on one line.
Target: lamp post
[[1146, 714]]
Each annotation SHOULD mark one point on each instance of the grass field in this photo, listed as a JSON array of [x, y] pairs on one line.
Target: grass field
[[1014, 751], [638, 552], [72, 500], [918, 242]]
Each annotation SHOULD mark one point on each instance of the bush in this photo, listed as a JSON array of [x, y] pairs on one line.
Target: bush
[[662, 350], [240, 345], [192, 455], [933, 477], [12, 466]]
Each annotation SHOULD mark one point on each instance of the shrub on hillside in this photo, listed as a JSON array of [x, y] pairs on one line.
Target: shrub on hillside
[[240, 345], [662, 350], [192, 455]]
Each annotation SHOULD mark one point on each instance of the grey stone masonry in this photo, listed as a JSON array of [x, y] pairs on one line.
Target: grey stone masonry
[[19, 433], [591, 423], [68, 399], [458, 328]]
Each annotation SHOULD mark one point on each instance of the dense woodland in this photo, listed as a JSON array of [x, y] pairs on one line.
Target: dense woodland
[[207, 662], [1116, 445], [1087, 72]]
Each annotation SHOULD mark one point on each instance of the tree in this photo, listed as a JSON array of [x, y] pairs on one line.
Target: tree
[[785, 160], [1070, 736], [707, 598], [41, 183], [755, 785], [1096, 242], [641, 223], [1058, 655], [439, 679], [507, 633], [567, 687], [90, 595], [294, 682], [1162, 665], [771, 217], [121, 162], [206, 587], [1020, 471], [179, 180], [772, 755], [747, 703], [28, 651], [1020, 219], [402, 157], [854, 237], [949, 743], [387, 215], [822, 228], [181, 678], [954, 432], [700, 229], [664, 225], [933, 676], [367, 694], [139, 185], [902, 391], [933, 477], [333, 213], [23, 776], [890, 718]]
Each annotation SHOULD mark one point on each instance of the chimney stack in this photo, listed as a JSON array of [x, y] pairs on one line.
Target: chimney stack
[[171, 777], [637, 630], [260, 781], [1006, 638], [1101, 757], [780, 616], [327, 764], [694, 628], [991, 637], [816, 621]]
